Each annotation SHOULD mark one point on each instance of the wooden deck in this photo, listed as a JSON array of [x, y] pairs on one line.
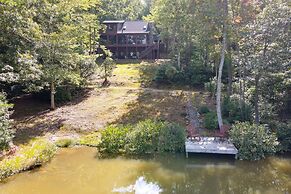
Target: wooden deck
[[212, 145]]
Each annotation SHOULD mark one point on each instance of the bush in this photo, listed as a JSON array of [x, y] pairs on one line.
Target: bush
[[6, 133], [254, 142], [166, 73], [113, 139], [232, 111], [63, 94], [192, 75], [92, 140], [35, 154], [145, 137], [210, 87], [204, 109], [283, 131], [171, 138], [64, 143], [210, 121]]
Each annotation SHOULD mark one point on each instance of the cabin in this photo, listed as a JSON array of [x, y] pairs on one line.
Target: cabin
[[131, 39]]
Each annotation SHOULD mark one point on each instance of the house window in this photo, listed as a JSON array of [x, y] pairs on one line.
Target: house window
[[141, 39], [110, 27], [131, 39], [121, 39], [112, 40]]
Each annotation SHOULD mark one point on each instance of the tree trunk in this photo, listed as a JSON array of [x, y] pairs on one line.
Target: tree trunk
[[53, 105], [179, 60], [90, 41], [257, 116], [229, 72], [223, 49]]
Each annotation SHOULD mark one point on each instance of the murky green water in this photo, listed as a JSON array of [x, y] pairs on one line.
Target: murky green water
[[80, 171]]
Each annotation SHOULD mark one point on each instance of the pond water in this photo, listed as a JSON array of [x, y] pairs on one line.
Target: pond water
[[80, 171]]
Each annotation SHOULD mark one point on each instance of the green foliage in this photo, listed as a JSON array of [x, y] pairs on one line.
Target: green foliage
[[28, 157], [203, 109], [283, 131], [210, 121], [113, 139], [49, 43], [121, 9], [92, 139], [145, 137], [161, 76], [210, 87], [233, 112], [193, 75], [63, 94], [106, 67], [171, 138], [6, 133], [64, 143], [254, 142]]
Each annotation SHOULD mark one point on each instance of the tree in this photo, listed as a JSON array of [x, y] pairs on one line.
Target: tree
[[106, 65], [18, 34], [59, 51], [223, 50], [6, 133], [45, 43], [264, 46], [121, 9]]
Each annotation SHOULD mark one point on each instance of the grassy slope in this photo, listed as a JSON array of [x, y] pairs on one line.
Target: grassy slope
[[127, 100]]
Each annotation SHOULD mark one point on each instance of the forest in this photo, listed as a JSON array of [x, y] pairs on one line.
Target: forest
[[235, 53]]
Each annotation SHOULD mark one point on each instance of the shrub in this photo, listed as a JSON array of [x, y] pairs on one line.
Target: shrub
[[233, 112], [204, 109], [6, 133], [192, 75], [166, 73], [63, 94], [210, 121], [64, 143], [145, 137], [254, 142], [92, 139], [283, 131], [113, 139], [28, 157], [171, 138], [210, 87]]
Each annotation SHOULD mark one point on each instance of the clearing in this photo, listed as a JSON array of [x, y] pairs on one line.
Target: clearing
[[129, 99]]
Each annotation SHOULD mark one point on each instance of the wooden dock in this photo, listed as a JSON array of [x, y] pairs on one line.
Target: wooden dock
[[212, 145]]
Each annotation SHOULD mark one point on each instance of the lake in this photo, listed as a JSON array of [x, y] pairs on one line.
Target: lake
[[81, 171]]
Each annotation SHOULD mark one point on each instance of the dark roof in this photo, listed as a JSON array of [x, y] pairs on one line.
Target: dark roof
[[134, 27], [130, 27], [113, 21]]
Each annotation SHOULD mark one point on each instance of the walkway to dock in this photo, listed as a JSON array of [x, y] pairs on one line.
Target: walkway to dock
[[210, 145]]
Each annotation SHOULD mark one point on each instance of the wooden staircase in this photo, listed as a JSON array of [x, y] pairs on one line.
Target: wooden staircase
[[144, 54]]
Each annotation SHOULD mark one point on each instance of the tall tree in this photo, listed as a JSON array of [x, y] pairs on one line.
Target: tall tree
[[121, 9], [264, 46], [222, 59]]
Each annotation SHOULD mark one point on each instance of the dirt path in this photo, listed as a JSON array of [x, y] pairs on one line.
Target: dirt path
[[194, 127]]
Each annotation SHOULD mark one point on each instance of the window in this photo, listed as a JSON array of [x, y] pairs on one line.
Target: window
[[110, 27], [112, 39]]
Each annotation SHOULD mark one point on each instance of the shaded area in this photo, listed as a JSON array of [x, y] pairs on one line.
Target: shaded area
[[33, 117], [155, 104]]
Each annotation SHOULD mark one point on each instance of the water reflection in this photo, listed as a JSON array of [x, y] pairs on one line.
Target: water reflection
[[141, 186], [78, 171]]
